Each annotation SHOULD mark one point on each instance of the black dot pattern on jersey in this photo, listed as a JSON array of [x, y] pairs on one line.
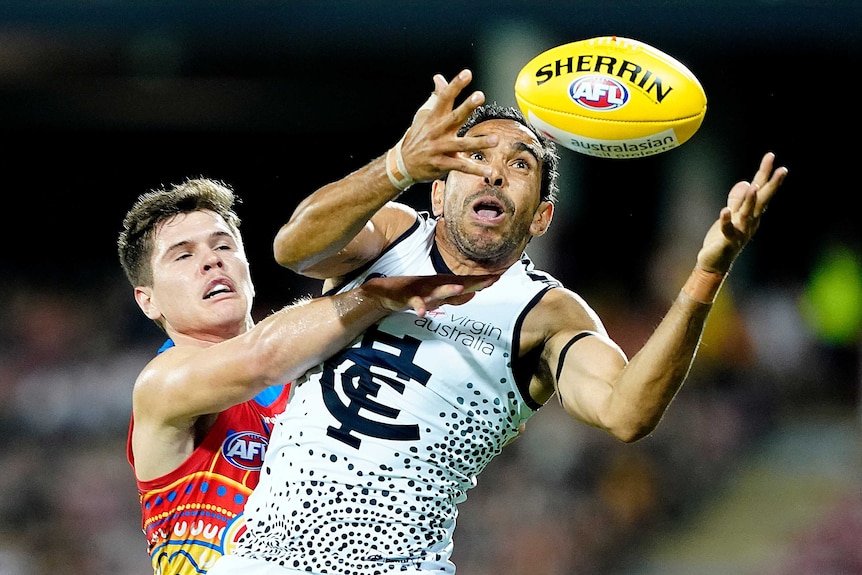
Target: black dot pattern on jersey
[[348, 515]]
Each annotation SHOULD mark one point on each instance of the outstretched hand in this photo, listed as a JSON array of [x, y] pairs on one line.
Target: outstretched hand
[[431, 146], [739, 220], [423, 293]]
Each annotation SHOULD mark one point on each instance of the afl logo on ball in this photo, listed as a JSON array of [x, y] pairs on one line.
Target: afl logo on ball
[[245, 450], [598, 93]]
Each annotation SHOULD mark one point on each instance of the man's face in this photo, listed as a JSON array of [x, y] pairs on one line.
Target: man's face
[[490, 220], [201, 280]]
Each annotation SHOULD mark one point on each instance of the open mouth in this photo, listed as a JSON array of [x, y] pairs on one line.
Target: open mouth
[[216, 289], [488, 208]]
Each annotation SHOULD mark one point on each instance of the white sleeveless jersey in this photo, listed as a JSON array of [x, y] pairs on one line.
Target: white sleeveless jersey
[[366, 466]]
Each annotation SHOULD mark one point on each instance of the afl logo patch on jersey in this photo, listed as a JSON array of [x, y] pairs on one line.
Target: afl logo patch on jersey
[[599, 93], [245, 450]]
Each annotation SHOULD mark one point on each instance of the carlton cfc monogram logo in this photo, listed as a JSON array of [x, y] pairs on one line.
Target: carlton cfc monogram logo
[[598, 93], [245, 450]]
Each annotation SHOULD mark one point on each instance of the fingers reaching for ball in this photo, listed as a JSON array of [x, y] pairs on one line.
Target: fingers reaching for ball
[[740, 219], [767, 182], [431, 146]]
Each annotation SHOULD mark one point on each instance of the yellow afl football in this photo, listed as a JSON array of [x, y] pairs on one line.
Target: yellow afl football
[[611, 97]]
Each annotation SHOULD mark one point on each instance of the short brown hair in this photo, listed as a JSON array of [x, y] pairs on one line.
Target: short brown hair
[[135, 244]]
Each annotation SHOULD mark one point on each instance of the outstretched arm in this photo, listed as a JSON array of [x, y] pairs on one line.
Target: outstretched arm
[[628, 399], [194, 380], [189, 381], [348, 222]]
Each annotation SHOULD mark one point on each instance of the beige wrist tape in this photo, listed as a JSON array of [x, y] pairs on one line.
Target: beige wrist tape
[[702, 285], [396, 170]]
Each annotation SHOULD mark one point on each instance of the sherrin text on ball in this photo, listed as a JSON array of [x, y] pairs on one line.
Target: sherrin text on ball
[[611, 97]]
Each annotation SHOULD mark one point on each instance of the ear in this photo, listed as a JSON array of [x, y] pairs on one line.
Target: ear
[[143, 296], [542, 219], [438, 195]]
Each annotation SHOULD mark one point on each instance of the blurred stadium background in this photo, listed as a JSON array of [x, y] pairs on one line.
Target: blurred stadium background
[[757, 467]]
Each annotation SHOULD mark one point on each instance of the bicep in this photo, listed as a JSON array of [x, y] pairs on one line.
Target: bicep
[[580, 362], [584, 366], [380, 231]]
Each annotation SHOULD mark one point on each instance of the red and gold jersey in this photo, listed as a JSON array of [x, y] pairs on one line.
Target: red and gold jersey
[[193, 515]]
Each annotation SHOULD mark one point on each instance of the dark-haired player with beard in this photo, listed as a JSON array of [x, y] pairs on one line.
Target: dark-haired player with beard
[[378, 447]]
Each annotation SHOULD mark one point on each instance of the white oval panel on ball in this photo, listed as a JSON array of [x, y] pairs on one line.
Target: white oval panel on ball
[[612, 149]]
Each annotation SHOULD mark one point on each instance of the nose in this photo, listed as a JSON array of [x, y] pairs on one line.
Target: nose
[[212, 260], [496, 178]]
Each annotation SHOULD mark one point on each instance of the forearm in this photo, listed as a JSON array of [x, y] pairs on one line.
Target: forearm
[[326, 221], [655, 374], [291, 341]]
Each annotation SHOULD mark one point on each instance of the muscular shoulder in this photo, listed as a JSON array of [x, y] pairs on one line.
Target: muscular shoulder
[[395, 218], [162, 437], [560, 311], [560, 317], [378, 233], [158, 383]]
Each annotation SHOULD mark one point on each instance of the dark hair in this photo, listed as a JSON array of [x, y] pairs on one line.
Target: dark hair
[[135, 244], [547, 153]]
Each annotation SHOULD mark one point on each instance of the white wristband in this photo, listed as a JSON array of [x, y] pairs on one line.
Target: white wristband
[[396, 170]]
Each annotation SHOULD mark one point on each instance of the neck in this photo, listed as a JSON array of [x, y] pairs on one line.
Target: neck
[[211, 336], [448, 259]]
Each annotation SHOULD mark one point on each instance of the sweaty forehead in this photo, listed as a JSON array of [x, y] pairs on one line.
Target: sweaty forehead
[[506, 129]]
